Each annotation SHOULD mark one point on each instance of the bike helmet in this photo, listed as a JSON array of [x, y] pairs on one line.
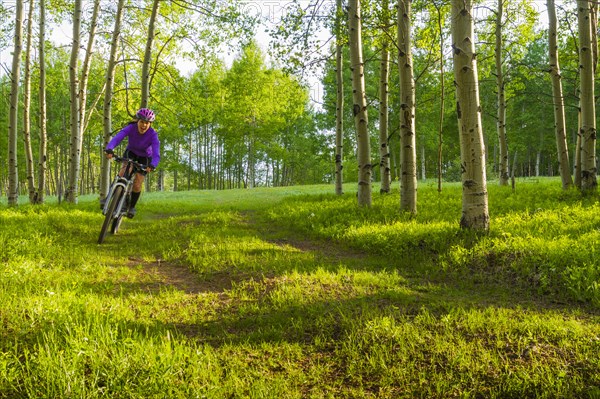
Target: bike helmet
[[145, 114]]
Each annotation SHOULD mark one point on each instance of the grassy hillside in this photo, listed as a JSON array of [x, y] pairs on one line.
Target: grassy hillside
[[297, 293]]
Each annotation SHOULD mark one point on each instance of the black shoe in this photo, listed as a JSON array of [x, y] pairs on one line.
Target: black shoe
[[131, 213]]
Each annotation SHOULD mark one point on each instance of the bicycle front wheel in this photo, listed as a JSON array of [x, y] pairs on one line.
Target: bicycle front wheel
[[116, 223], [110, 213]]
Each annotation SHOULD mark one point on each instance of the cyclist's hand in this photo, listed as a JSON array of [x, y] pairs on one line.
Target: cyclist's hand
[[149, 169], [109, 154]]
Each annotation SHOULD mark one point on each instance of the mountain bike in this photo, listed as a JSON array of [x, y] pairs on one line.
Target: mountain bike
[[117, 200]]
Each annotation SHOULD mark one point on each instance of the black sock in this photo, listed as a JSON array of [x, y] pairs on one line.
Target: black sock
[[134, 199]]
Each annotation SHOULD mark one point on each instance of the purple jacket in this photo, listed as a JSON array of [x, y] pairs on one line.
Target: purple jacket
[[142, 145]]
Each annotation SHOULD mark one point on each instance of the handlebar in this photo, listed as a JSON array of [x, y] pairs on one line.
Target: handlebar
[[138, 167]]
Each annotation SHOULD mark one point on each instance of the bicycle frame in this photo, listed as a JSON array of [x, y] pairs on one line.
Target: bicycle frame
[[127, 185], [114, 212]]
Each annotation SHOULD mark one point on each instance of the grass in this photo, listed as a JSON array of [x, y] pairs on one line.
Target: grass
[[297, 293]]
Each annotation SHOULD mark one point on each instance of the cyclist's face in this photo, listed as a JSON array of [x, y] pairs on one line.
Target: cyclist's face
[[143, 126]]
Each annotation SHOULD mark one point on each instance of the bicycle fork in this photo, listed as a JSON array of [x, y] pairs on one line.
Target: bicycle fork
[[119, 181]]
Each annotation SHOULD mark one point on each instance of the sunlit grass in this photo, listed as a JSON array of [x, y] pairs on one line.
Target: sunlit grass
[[298, 293], [540, 235]]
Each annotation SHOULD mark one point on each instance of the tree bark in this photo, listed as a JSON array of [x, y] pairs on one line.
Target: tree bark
[[13, 171], [75, 148], [359, 108], [42, 161], [148, 56], [594, 28], [501, 100], [475, 214], [442, 98], [384, 150], [560, 127], [408, 152], [27, 108], [339, 106], [588, 110], [76, 164], [108, 93], [85, 70], [423, 163]]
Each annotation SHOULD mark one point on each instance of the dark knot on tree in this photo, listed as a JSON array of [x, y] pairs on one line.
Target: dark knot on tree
[[470, 184]]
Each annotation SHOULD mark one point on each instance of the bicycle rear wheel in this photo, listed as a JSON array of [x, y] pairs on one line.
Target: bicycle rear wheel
[[110, 213]]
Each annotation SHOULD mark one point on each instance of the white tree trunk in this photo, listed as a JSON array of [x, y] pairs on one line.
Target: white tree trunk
[[75, 148], [359, 108], [560, 127], [27, 108], [408, 151], [442, 97], [501, 100], [475, 214], [594, 28], [577, 156], [339, 106], [41, 189], [148, 56], [110, 82], [423, 163], [13, 171], [588, 110], [85, 70], [83, 82], [384, 149]]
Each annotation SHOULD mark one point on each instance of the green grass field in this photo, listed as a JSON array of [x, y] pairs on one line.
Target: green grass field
[[297, 293]]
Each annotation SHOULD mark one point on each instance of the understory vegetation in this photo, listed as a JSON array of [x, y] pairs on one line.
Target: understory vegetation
[[297, 293]]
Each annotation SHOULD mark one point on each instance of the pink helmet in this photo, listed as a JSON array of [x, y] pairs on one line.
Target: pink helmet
[[145, 114]]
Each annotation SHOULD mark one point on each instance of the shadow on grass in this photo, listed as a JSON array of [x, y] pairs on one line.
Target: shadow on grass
[[214, 256]]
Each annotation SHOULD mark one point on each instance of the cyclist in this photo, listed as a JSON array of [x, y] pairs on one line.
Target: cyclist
[[143, 146]]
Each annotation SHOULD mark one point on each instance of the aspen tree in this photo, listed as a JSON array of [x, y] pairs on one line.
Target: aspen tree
[[13, 171], [339, 105], [147, 57], [78, 93], [442, 97], [42, 159], [359, 108], [27, 107], [108, 93], [475, 214], [558, 99], [587, 101], [384, 149], [75, 146], [501, 98], [83, 82], [408, 154]]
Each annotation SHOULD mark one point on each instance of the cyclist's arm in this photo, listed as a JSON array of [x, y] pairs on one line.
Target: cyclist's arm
[[115, 141], [155, 152]]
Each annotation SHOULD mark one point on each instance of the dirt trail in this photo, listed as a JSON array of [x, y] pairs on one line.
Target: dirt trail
[[160, 274]]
